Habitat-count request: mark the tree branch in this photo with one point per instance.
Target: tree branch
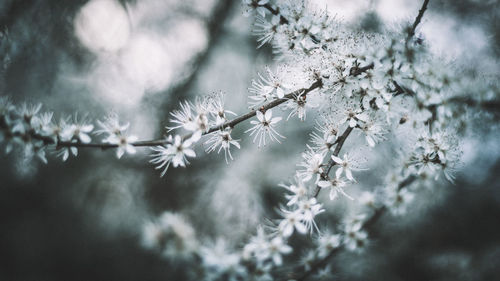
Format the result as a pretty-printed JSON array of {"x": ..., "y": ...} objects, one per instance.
[
  {"x": 230, "y": 124},
  {"x": 340, "y": 142},
  {"x": 417, "y": 21}
]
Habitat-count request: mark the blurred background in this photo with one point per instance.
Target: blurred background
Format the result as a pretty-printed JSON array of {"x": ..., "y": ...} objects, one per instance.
[{"x": 82, "y": 219}]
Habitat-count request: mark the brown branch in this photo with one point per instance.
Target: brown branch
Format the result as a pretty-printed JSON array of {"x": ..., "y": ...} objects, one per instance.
[
  {"x": 276, "y": 12},
  {"x": 491, "y": 105},
  {"x": 340, "y": 142},
  {"x": 230, "y": 124},
  {"x": 284, "y": 20},
  {"x": 417, "y": 21}
]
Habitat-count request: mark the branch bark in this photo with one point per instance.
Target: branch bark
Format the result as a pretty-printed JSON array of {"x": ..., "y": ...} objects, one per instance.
[
  {"x": 230, "y": 123},
  {"x": 417, "y": 21}
]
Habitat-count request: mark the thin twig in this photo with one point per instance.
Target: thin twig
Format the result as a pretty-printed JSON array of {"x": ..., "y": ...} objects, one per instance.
[
  {"x": 340, "y": 142},
  {"x": 417, "y": 21},
  {"x": 230, "y": 124}
]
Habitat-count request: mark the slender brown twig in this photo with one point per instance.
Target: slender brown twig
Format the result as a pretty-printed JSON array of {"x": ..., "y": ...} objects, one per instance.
[
  {"x": 231, "y": 123},
  {"x": 417, "y": 21},
  {"x": 340, "y": 142}
]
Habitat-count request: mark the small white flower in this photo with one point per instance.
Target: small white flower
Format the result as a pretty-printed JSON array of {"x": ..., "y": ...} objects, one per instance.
[
  {"x": 298, "y": 105},
  {"x": 111, "y": 126},
  {"x": 336, "y": 186},
  {"x": 170, "y": 235},
  {"x": 116, "y": 135},
  {"x": 368, "y": 199},
  {"x": 277, "y": 247},
  {"x": 327, "y": 243},
  {"x": 352, "y": 117},
  {"x": 182, "y": 118},
  {"x": 125, "y": 144},
  {"x": 55, "y": 130},
  {"x": 257, "y": 247},
  {"x": 265, "y": 127},
  {"x": 397, "y": 200},
  {"x": 310, "y": 208},
  {"x": 267, "y": 89},
  {"x": 326, "y": 136},
  {"x": 65, "y": 152},
  {"x": 222, "y": 139},
  {"x": 27, "y": 112},
  {"x": 265, "y": 30},
  {"x": 217, "y": 110},
  {"x": 309, "y": 259},
  {"x": 221, "y": 261},
  {"x": 299, "y": 192},
  {"x": 79, "y": 132},
  {"x": 374, "y": 132},
  {"x": 311, "y": 165},
  {"x": 291, "y": 220},
  {"x": 175, "y": 153},
  {"x": 257, "y": 5},
  {"x": 355, "y": 239},
  {"x": 42, "y": 122},
  {"x": 347, "y": 165},
  {"x": 322, "y": 143}
]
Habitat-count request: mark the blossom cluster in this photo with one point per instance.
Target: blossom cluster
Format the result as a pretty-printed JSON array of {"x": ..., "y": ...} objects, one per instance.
[
  {"x": 351, "y": 84},
  {"x": 206, "y": 116},
  {"x": 37, "y": 132}
]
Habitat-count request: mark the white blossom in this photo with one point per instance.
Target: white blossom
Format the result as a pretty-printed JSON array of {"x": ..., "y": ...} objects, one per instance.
[
  {"x": 353, "y": 117},
  {"x": 355, "y": 238},
  {"x": 336, "y": 186},
  {"x": 278, "y": 247},
  {"x": 79, "y": 131},
  {"x": 312, "y": 165},
  {"x": 174, "y": 152},
  {"x": 397, "y": 200},
  {"x": 298, "y": 190},
  {"x": 310, "y": 209},
  {"x": 291, "y": 220},
  {"x": 346, "y": 165},
  {"x": 222, "y": 140},
  {"x": 264, "y": 128},
  {"x": 327, "y": 243}
]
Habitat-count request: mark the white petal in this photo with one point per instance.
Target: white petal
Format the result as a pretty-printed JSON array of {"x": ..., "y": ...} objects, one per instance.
[
  {"x": 280, "y": 93},
  {"x": 189, "y": 153},
  {"x": 288, "y": 230},
  {"x": 130, "y": 149},
  {"x": 352, "y": 123},
  {"x": 324, "y": 184},
  {"x": 275, "y": 120},
  {"x": 339, "y": 172},
  {"x": 119, "y": 152},
  {"x": 348, "y": 173},
  {"x": 336, "y": 159},
  {"x": 333, "y": 194},
  {"x": 260, "y": 116},
  {"x": 301, "y": 228},
  {"x": 370, "y": 141},
  {"x": 87, "y": 128},
  {"x": 268, "y": 114},
  {"x": 277, "y": 259},
  {"x": 84, "y": 138},
  {"x": 195, "y": 137}
]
